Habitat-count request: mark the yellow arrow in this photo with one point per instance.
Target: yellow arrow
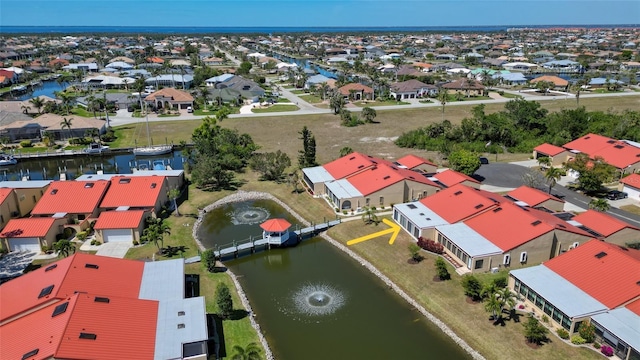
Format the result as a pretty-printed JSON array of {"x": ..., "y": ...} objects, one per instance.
[{"x": 394, "y": 231}]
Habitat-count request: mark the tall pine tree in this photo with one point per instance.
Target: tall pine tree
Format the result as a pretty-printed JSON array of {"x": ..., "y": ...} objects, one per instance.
[{"x": 307, "y": 157}]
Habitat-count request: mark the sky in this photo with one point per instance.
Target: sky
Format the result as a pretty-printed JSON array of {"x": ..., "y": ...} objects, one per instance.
[{"x": 310, "y": 13}]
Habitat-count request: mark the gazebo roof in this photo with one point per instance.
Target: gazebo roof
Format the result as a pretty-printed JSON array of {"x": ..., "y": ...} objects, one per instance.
[{"x": 275, "y": 225}]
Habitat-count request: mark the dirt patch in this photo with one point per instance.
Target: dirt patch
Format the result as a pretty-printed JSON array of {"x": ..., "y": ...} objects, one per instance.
[
  {"x": 469, "y": 300},
  {"x": 437, "y": 279},
  {"x": 533, "y": 345}
]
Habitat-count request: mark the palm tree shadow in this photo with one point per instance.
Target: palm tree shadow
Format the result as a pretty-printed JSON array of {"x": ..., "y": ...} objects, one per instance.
[{"x": 238, "y": 314}]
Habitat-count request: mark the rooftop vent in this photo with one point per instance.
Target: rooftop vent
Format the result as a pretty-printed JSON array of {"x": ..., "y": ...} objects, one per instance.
[
  {"x": 619, "y": 147},
  {"x": 54, "y": 191},
  {"x": 181, "y": 313},
  {"x": 91, "y": 266},
  {"x": 536, "y": 223},
  {"x": 153, "y": 185},
  {"x": 587, "y": 137},
  {"x": 45, "y": 291},
  {"x": 60, "y": 309},
  {"x": 411, "y": 206},
  {"x": 88, "y": 185},
  {"x": 352, "y": 158},
  {"x": 181, "y": 326},
  {"x": 386, "y": 177},
  {"x": 31, "y": 353},
  {"x": 360, "y": 166},
  {"x": 638, "y": 283},
  {"x": 457, "y": 193},
  {"x": 51, "y": 267},
  {"x": 101, "y": 299},
  {"x": 601, "y": 254},
  {"x": 88, "y": 336},
  {"x": 124, "y": 181},
  {"x": 497, "y": 209},
  {"x": 611, "y": 141},
  {"x": 479, "y": 206}
]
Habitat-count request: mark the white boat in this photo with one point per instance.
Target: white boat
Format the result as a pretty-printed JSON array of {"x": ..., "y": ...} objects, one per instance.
[
  {"x": 6, "y": 160},
  {"x": 150, "y": 149},
  {"x": 153, "y": 150},
  {"x": 96, "y": 148}
]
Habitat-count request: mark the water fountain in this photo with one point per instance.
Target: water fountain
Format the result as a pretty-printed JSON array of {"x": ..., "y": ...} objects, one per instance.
[
  {"x": 249, "y": 215},
  {"x": 318, "y": 300}
]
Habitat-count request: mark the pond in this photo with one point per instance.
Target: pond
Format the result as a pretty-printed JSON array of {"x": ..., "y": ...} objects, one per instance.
[{"x": 315, "y": 302}]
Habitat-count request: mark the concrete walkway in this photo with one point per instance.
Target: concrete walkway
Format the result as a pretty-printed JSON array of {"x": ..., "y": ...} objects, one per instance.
[{"x": 114, "y": 249}]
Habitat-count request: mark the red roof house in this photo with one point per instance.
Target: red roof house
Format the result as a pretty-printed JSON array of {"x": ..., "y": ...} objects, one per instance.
[
  {"x": 557, "y": 154},
  {"x": 356, "y": 91},
  {"x": 631, "y": 185},
  {"x": 451, "y": 177},
  {"x": 414, "y": 162},
  {"x": 147, "y": 193},
  {"x": 78, "y": 200},
  {"x": 461, "y": 202},
  {"x": 620, "y": 154},
  {"x": 536, "y": 198},
  {"x": 612, "y": 229},
  {"x": 120, "y": 225},
  {"x": 349, "y": 165},
  {"x": 31, "y": 234}
]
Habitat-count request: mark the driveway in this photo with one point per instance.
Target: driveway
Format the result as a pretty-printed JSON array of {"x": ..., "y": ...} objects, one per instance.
[
  {"x": 14, "y": 263},
  {"x": 505, "y": 175},
  {"x": 114, "y": 249}
]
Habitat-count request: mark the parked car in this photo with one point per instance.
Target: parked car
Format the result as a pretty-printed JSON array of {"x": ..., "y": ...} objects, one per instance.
[
  {"x": 189, "y": 109},
  {"x": 616, "y": 195},
  {"x": 484, "y": 160}
]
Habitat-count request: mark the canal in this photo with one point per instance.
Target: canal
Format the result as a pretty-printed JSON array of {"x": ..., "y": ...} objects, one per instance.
[
  {"x": 47, "y": 89},
  {"x": 315, "y": 302}
]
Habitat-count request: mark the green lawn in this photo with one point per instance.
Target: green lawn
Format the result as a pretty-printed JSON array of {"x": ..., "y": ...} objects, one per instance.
[
  {"x": 298, "y": 92},
  {"x": 80, "y": 111},
  {"x": 379, "y": 103},
  {"x": 283, "y": 100},
  {"x": 510, "y": 96},
  {"x": 631, "y": 208},
  {"x": 276, "y": 108},
  {"x": 311, "y": 99}
]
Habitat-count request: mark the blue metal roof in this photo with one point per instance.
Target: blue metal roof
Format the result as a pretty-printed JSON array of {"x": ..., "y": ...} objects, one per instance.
[
  {"x": 343, "y": 189},
  {"x": 220, "y": 78},
  {"x": 558, "y": 291},
  {"x": 468, "y": 240},
  {"x": 317, "y": 174},
  {"x": 623, "y": 323},
  {"x": 30, "y": 184}
]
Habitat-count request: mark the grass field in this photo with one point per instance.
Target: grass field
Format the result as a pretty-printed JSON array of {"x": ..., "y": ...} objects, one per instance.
[
  {"x": 631, "y": 208},
  {"x": 281, "y": 132},
  {"x": 276, "y": 108},
  {"x": 311, "y": 99}
]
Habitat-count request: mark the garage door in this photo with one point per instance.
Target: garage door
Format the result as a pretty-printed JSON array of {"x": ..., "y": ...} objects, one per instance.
[
  {"x": 117, "y": 235},
  {"x": 633, "y": 193},
  {"x": 24, "y": 244}
]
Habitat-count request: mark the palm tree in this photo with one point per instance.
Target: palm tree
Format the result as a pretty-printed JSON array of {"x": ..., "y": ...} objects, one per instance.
[
  {"x": 155, "y": 232},
  {"x": 544, "y": 161},
  {"x": 493, "y": 305},
  {"x": 93, "y": 133},
  {"x": 66, "y": 124},
  {"x": 552, "y": 175},
  {"x": 47, "y": 138},
  {"x": 25, "y": 109},
  {"x": 66, "y": 98},
  {"x": 369, "y": 215},
  {"x": 325, "y": 89},
  {"x": 91, "y": 105},
  {"x": 64, "y": 247},
  {"x": 368, "y": 114},
  {"x": 173, "y": 195},
  {"x": 204, "y": 92},
  {"x": 507, "y": 298},
  {"x": 38, "y": 103},
  {"x": 249, "y": 352},
  {"x": 601, "y": 205},
  {"x": 443, "y": 97}
]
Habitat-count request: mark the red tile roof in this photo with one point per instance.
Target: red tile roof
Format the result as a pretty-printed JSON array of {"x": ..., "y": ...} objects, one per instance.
[
  {"x": 557, "y": 81},
  {"x": 604, "y": 271},
  {"x": 4, "y": 194},
  {"x": 508, "y": 226},
  {"x": 411, "y": 161},
  {"x": 135, "y": 191},
  {"x": 614, "y": 152},
  {"x": 602, "y": 223},
  {"x": 383, "y": 175},
  {"x": 632, "y": 180},
  {"x": 634, "y": 307},
  {"x": 125, "y": 328},
  {"x": 346, "y": 90},
  {"x": 349, "y": 164},
  {"x": 44, "y": 332},
  {"x": 589, "y": 143},
  {"x": 27, "y": 227},
  {"x": 451, "y": 177},
  {"x": 548, "y": 149},
  {"x": 275, "y": 225},
  {"x": 75, "y": 197},
  {"x": 533, "y": 197},
  {"x": 460, "y": 202},
  {"x": 119, "y": 219}
]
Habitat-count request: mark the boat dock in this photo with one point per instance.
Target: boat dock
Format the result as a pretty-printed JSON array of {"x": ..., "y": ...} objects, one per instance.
[
  {"x": 252, "y": 245},
  {"x": 66, "y": 153}
]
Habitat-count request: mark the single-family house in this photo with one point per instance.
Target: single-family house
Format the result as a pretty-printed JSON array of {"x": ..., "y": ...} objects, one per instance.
[
  {"x": 356, "y": 92},
  {"x": 170, "y": 98},
  {"x": 631, "y": 185},
  {"x": 86, "y": 67},
  {"x": 120, "y": 225},
  {"x": 511, "y": 78},
  {"x": 527, "y": 196},
  {"x": 606, "y": 227},
  {"x": 576, "y": 287},
  {"x": 141, "y": 306},
  {"x": 417, "y": 163},
  {"x": 412, "y": 89},
  {"x": 8, "y": 206},
  {"x": 76, "y": 201},
  {"x": 519, "y": 66},
  {"x": 467, "y": 86},
  {"x": 218, "y": 79},
  {"x": 449, "y": 178},
  {"x": 172, "y": 80},
  {"x": 33, "y": 128},
  {"x": 558, "y": 82},
  {"x": 213, "y": 61},
  {"x": 146, "y": 193},
  {"x": 31, "y": 234},
  {"x": 562, "y": 65},
  {"x": 26, "y": 194},
  {"x": 557, "y": 154},
  {"x": 600, "y": 82},
  {"x": 624, "y": 156}
]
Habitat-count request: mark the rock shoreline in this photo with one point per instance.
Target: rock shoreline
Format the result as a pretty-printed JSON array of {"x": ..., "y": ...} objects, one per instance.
[{"x": 254, "y": 195}]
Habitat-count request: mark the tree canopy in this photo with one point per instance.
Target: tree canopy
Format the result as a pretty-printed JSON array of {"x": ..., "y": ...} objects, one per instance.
[{"x": 464, "y": 161}]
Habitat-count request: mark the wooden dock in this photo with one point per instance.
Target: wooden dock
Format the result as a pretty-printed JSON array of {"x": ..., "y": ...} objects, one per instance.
[{"x": 250, "y": 246}]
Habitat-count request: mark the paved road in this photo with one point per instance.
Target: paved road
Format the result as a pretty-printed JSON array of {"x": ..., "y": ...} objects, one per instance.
[{"x": 510, "y": 176}]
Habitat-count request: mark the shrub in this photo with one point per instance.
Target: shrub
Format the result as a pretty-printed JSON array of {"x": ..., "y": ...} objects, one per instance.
[
  {"x": 596, "y": 345},
  {"x": 545, "y": 319},
  {"x": 563, "y": 334},
  {"x": 135, "y": 242},
  {"x": 414, "y": 251},
  {"x": 208, "y": 258},
  {"x": 430, "y": 245},
  {"x": 587, "y": 331},
  {"x": 472, "y": 287},
  {"x": 500, "y": 282},
  {"x": 26, "y": 143},
  {"x": 223, "y": 300},
  {"x": 606, "y": 350},
  {"x": 67, "y": 232},
  {"x": 441, "y": 270},
  {"x": 578, "y": 340},
  {"x": 81, "y": 236}
]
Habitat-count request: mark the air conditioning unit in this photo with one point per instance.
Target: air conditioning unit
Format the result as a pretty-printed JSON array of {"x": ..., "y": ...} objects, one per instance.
[{"x": 494, "y": 270}]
